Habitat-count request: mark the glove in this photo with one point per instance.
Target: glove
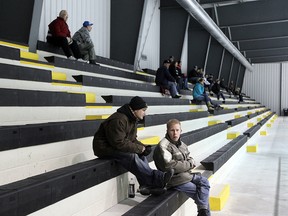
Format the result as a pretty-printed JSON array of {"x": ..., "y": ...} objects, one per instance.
[{"x": 147, "y": 151}]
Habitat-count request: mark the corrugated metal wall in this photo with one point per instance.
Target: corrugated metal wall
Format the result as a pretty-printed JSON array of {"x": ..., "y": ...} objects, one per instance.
[
  {"x": 96, "y": 11},
  {"x": 263, "y": 84},
  {"x": 284, "y": 84}
]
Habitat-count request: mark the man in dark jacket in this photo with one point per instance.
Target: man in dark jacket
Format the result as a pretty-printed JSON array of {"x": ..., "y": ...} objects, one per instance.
[
  {"x": 59, "y": 35},
  {"x": 172, "y": 153},
  {"x": 165, "y": 80},
  {"x": 116, "y": 139}
]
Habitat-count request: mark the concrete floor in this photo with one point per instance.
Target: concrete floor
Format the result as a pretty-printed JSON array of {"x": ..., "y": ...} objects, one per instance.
[{"x": 259, "y": 181}]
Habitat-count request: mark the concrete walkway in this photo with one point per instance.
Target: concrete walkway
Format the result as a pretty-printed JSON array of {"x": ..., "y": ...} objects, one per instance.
[{"x": 259, "y": 181}]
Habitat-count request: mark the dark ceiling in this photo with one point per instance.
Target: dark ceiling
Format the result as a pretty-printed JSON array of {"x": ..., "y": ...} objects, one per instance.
[{"x": 258, "y": 28}]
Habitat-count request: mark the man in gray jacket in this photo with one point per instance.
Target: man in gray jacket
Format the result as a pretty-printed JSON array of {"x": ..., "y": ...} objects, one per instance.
[
  {"x": 85, "y": 44},
  {"x": 172, "y": 153},
  {"x": 116, "y": 139}
]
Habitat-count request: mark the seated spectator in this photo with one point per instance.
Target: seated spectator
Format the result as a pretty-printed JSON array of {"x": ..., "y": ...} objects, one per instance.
[
  {"x": 216, "y": 89},
  {"x": 165, "y": 80},
  {"x": 85, "y": 43},
  {"x": 223, "y": 85},
  {"x": 59, "y": 35},
  {"x": 172, "y": 153},
  {"x": 231, "y": 88},
  {"x": 176, "y": 74},
  {"x": 239, "y": 94},
  {"x": 200, "y": 95},
  {"x": 116, "y": 139},
  {"x": 183, "y": 75},
  {"x": 194, "y": 75}
]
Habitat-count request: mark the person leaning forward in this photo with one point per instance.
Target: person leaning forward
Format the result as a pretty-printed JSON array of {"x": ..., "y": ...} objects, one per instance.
[{"x": 116, "y": 139}]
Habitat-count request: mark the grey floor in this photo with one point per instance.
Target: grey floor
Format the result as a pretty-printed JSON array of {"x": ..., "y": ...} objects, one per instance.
[{"x": 259, "y": 181}]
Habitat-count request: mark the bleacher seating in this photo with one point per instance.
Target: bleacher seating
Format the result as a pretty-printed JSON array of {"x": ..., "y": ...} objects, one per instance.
[{"x": 35, "y": 192}]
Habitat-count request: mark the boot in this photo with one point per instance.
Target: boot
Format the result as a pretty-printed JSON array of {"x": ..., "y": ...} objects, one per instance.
[
  {"x": 210, "y": 107},
  {"x": 203, "y": 212}
]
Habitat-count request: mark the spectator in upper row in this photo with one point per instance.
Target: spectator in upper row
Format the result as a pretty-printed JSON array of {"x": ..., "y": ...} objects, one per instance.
[
  {"x": 59, "y": 35},
  {"x": 216, "y": 89},
  {"x": 165, "y": 80},
  {"x": 200, "y": 95},
  {"x": 85, "y": 43},
  {"x": 184, "y": 84},
  {"x": 194, "y": 75}
]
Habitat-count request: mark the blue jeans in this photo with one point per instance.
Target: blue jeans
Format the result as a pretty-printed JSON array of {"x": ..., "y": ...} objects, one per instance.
[
  {"x": 198, "y": 190},
  {"x": 204, "y": 97},
  {"x": 138, "y": 165},
  {"x": 172, "y": 88}
]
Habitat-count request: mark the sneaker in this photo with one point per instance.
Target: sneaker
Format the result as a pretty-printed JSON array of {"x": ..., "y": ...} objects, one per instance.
[
  {"x": 82, "y": 60},
  {"x": 177, "y": 96},
  {"x": 167, "y": 176},
  {"x": 71, "y": 58},
  {"x": 203, "y": 212},
  {"x": 93, "y": 62},
  {"x": 148, "y": 190}
]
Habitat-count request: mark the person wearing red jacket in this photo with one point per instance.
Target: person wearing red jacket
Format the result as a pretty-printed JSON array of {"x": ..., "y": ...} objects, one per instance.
[{"x": 59, "y": 35}]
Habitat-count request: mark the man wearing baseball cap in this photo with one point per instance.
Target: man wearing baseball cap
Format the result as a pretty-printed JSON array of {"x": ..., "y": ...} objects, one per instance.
[
  {"x": 85, "y": 43},
  {"x": 116, "y": 139}
]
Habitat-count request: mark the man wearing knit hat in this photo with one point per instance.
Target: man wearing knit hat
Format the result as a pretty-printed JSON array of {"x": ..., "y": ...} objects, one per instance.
[{"x": 116, "y": 139}]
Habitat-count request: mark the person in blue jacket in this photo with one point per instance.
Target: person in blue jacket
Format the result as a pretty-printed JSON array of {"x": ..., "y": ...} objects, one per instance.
[{"x": 200, "y": 94}]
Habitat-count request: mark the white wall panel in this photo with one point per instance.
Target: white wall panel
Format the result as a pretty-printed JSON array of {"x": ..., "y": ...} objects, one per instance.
[
  {"x": 263, "y": 84},
  {"x": 151, "y": 47},
  {"x": 96, "y": 11}
]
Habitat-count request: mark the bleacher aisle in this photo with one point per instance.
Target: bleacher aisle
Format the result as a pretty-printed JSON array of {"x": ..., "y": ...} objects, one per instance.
[{"x": 258, "y": 181}]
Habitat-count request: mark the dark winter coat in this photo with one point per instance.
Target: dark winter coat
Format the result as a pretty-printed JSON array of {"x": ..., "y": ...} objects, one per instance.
[{"x": 118, "y": 133}]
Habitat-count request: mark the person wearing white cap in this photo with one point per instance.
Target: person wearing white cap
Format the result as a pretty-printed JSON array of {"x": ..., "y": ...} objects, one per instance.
[{"x": 85, "y": 43}]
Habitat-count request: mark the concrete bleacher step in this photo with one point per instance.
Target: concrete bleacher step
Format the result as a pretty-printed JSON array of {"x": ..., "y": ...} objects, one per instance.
[
  {"x": 81, "y": 66},
  {"x": 18, "y": 97},
  {"x": 41, "y": 45},
  {"x": 9, "y": 53}
]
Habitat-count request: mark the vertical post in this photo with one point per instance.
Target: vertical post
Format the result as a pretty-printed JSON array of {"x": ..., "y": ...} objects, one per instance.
[
  {"x": 207, "y": 53},
  {"x": 280, "y": 90},
  {"x": 35, "y": 24},
  {"x": 184, "y": 46},
  {"x": 238, "y": 75},
  {"x": 231, "y": 68},
  {"x": 221, "y": 63},
  {"x": 139, "y": 42}
]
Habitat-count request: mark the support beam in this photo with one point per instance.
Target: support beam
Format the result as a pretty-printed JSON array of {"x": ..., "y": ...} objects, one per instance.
[{"x": 195, "y": 10}]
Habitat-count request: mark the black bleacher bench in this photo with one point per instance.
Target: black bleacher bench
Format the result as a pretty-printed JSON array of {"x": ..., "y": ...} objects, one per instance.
[
  {"x": 149, "y": 71},
  {"x": 82, "y": 66},
  {"x": 99, "y": 59},
  {"x": 13, "y": 137},
  {"x": 24, "y": 73},
  {"x": 251, "y": 131},
  {"x": 222, "y": 111},
  {"x": 163, "y": 205},
  {"x": 18, "y": 97},
  {"x": 157, "y": 119},
  {"x": 263, "y": 121},
  {"x": 116, "y": 100},
  {"x": 9, "y": 53},
  {"x": 115, "y": 84},
  {"x": 29, "y": 195},
  {"x": 236, "y": 121},
  {"x": 202, "y": 133},
  {"x": 221, "y": 156}
]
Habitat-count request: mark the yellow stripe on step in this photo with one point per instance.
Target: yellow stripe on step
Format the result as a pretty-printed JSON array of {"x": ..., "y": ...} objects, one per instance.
[
  {"x": 59, "y": 76},
  {"x": 97, "y": 117},
  {"x": 14, "y": 45},
  {"x": 36, "y": 64},
  {"x": 154, "y": 140},
  {"x": 29, "y": 55}
]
